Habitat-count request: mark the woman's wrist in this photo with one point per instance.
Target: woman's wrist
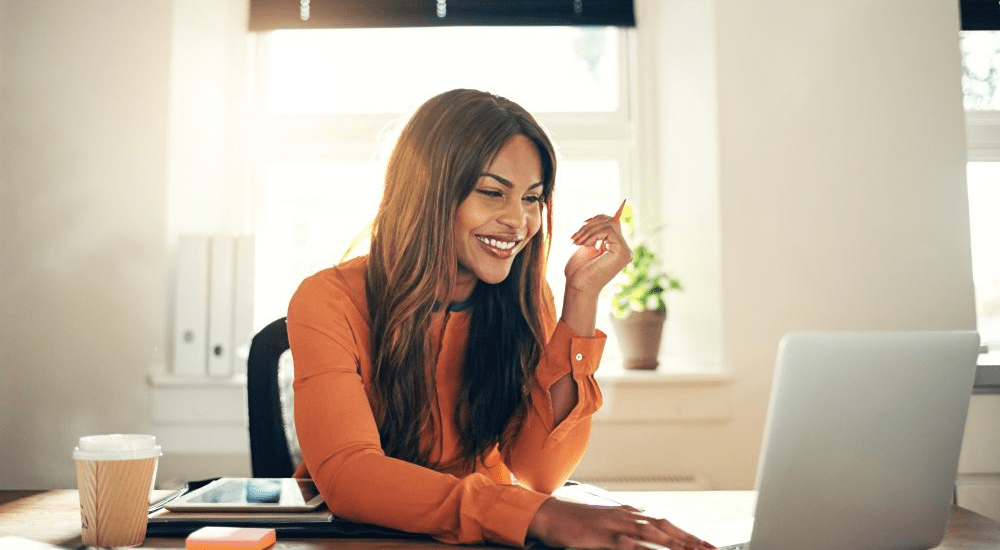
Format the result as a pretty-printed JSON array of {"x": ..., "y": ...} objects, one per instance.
[
  {"x": 580, "y": 311},
  {"x": 539, "y": 527}
]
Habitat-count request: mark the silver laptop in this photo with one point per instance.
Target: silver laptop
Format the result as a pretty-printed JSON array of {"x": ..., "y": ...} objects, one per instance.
[{"x": 862, "y": 439}]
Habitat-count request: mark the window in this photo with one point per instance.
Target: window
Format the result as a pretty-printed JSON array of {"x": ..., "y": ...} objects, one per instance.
[
  {"x": 984, "y": 204},
  {"x": 554, "y": 69},
  {"x": 981, "y": 70},
  {"x": 980, "y": 81},
  {"x": 327, "y": 104}
]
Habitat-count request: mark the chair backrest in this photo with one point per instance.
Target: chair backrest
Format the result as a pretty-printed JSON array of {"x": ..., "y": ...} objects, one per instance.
[{"x": 274, "y": 448}]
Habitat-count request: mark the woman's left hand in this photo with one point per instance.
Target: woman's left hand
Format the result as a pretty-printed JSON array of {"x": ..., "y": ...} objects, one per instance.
[{"x": 603, "y": 253}]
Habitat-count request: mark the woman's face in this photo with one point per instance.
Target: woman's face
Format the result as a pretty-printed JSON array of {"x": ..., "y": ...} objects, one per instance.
[{"x": 496, "y": 221}]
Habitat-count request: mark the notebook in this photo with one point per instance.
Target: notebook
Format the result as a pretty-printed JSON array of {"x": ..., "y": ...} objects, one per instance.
[{"x": 861, "y": 442}]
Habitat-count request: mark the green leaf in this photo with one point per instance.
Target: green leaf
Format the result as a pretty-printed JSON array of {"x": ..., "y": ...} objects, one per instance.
[{"x": 641, "y": 284}]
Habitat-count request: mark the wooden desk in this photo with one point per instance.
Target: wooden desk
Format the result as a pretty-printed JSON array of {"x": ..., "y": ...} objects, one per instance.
[{"x": 54, "y": 517}]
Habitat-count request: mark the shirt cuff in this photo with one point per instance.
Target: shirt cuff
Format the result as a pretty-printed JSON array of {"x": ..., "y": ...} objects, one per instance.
[
  {"x": 567, "y": 352},
  {"x": 512, "y": 514}
]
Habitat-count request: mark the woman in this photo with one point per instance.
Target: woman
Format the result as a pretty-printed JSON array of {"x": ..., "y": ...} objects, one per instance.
[{"x": 433, "y": 373}]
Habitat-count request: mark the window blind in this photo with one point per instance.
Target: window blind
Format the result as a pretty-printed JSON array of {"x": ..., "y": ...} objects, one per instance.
[
  {"x": 980, "y": 15},
  {"x": 310, "y": 14}
]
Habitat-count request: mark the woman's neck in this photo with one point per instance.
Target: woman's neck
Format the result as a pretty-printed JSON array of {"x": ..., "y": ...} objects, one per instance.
[{"x": 464, "y": 286}]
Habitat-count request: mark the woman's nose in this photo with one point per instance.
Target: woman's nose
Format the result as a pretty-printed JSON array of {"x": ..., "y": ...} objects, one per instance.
[{"x": 514, "y": 215}]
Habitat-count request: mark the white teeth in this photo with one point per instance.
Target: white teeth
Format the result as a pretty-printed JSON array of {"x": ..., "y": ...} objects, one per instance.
[{"x": 502, "y": 245}]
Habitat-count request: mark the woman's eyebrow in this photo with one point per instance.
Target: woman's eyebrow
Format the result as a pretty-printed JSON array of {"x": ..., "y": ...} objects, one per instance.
[{"x": 507, "y": 182}]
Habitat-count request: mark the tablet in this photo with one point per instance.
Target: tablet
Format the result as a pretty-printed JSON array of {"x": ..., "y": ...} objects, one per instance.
[{"x": 241, "y": 494}]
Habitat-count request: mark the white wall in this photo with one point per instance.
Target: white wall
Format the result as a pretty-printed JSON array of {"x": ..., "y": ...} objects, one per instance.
[
  {"x": 826, "y": 140},
  {"x": 842, "y": 178},
  {"x": 815, "y": 150},
  {"x": 84, "y": 144}
]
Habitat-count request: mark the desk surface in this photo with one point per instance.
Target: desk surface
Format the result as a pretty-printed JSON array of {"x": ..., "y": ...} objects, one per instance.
[{"x": 54, "y": 517}]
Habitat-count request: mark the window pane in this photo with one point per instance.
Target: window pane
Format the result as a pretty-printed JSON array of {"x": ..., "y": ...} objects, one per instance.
[
  {"x": 583, "y": 189},
  {"x": 545, "y": 69},
  {"x": 984, "y": 203},
  {"x": 308, "y": 215},
  {"x": 981, "y": 69}
]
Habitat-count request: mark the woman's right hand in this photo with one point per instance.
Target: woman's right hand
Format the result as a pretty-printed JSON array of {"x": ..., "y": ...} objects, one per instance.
[{"x": 564, "y": 524}]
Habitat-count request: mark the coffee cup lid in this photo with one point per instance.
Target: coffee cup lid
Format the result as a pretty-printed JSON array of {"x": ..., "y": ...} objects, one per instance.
[{"x": 116, "y": 447}]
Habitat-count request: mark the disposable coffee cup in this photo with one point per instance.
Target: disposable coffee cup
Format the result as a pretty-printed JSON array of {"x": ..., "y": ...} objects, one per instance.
[{"x": 115, "y": 475}]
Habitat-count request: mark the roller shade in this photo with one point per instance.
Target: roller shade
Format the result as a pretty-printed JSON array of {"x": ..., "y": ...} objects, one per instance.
[
  {"x": 980, "y": 15},
  {"x": 312, "y": 14}
]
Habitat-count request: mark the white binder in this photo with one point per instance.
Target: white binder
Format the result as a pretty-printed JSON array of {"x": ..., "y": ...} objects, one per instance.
[
  {"x": 243, "y": 301},
  {"x": 220, "y": 309},
  {"x": 191, "y": 306}
]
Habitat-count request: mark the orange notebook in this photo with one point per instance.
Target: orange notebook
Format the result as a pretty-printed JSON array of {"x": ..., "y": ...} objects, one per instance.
[{"x": 220, "y": 538}]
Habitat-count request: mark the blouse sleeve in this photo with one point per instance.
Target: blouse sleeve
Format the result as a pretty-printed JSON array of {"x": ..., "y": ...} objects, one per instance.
[
  {"x": 341, "y": 449},
  {"x": 545, "y": 454}
]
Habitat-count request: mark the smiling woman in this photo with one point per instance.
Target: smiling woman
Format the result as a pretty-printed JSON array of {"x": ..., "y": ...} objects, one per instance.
[
  {"x": 324, "y": 120},
  {"x": 436, "y": 391}
]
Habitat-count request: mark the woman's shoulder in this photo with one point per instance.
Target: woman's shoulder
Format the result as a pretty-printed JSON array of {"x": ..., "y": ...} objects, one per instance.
[
  {"x": 349, "y": 275},
  {"x": 343, "y": 283}
]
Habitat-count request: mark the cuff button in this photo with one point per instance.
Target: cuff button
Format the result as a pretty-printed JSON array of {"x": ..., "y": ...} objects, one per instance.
[{"x": 579, "y": 357}]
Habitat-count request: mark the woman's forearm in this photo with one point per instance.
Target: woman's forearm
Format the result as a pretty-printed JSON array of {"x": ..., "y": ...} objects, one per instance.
[
  {"x": 564, "y": 398},
  {"x": 580, "y": 314},
  {"x": 579, "y": 311}
]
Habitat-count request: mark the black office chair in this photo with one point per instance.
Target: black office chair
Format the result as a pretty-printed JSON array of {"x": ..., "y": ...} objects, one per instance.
[{"x": 274, "y": 446}]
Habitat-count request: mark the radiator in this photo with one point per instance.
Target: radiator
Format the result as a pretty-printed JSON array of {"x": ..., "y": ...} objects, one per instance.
[{"x": 679, "y": 482}]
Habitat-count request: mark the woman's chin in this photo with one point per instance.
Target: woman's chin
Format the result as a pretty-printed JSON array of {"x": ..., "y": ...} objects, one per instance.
[{"x": 493, "y": 276}]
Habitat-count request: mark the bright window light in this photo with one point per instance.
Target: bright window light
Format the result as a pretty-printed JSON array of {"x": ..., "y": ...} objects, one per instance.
[
  {"x": 318, "y": 189},
  {"x": 981, "y": 69},
  {"x": 984, "y": 203},
  {"x": 545, "y": 69}
]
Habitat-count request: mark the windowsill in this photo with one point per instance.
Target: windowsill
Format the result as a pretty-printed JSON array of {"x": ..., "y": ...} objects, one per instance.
[
  {"x": 662, "y": 377},
  {"x": 174, "y": 381},
  {"x": 989, "y": 359},
  {"x": 679, "y": 390},
  {"x": 672, "y": 371},
  {"x": 199, "y": 414}
]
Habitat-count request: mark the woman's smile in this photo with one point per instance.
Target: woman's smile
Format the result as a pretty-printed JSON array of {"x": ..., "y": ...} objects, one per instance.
[
  {"x": 501, "y": 247},
  {"x": 500, "y": 216}
]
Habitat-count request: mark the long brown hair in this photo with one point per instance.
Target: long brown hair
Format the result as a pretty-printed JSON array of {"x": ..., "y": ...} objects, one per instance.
[{"x": 413, "y": 266}]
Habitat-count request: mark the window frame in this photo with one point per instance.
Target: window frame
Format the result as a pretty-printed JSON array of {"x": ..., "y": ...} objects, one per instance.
[
  {"x": 279, "y": 137},
  {"x": 983, "y": 145}
]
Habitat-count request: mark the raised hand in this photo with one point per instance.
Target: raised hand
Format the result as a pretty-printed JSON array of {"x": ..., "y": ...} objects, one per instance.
[
  {"x": 603, "y": 253},
  {"x": 570, "y": 525}
]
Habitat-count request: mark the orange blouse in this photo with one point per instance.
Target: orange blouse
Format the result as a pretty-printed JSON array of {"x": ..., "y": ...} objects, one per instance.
[{"x": 329, "y": 335}]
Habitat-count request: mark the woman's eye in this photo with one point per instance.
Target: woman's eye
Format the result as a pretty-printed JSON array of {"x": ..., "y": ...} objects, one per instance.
[
  {"x": 493, "y": 193},
  {"x": 533, "y": 199}
]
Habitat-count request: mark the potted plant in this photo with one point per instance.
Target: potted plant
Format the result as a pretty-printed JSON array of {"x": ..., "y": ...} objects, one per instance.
[{"x": 638, "y": 308}]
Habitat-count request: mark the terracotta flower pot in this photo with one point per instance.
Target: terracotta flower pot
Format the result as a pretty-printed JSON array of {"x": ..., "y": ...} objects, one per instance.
[{"x": 639, "y": 338}]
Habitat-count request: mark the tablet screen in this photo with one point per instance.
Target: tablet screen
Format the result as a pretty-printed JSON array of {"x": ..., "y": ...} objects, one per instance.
[{"x": 247, "y": 494}]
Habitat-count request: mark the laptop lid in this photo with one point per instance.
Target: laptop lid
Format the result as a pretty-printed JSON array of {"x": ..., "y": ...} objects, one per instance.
[{"x": 862, "y": 439}]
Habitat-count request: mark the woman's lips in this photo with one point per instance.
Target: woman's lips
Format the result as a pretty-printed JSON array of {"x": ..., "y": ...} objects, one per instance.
[{"x": 501, "y": 247}]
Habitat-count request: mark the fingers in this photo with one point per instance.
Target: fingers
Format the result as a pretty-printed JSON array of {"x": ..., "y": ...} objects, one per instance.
[
  {"x": 662, "y": 532},
  {"x": 599, "y": 228},
  {"x": 571, "y": 525}
]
